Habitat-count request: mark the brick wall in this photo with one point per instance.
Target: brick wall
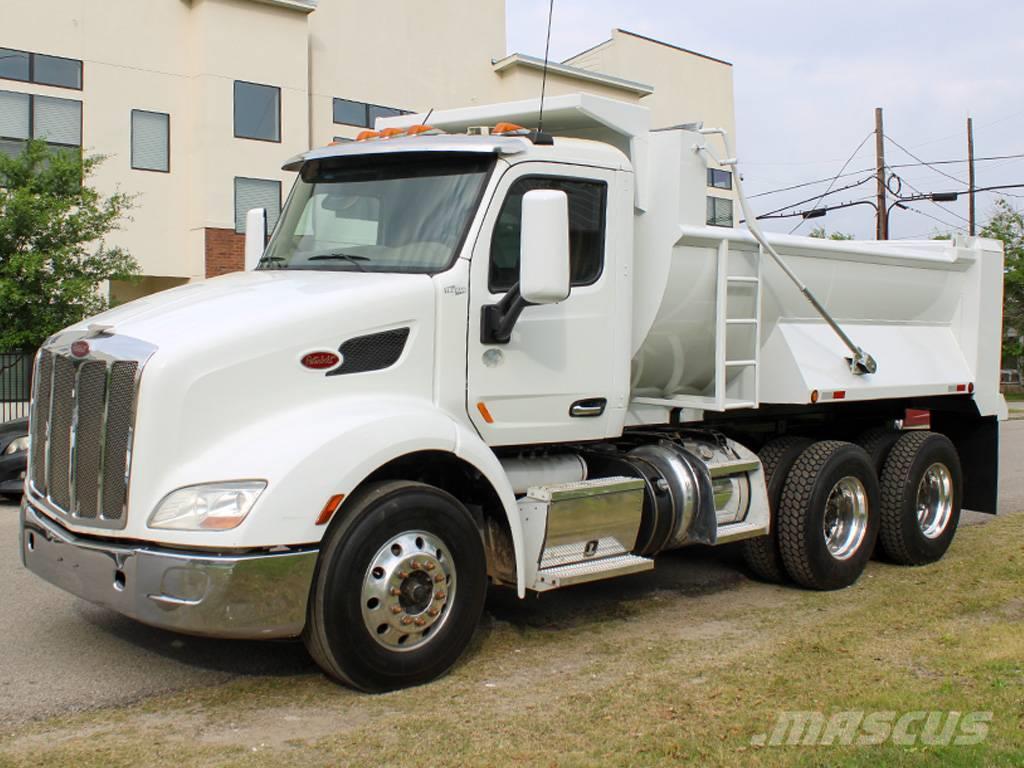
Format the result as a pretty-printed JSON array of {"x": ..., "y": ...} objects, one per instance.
[{"x": 225, "y": 251}]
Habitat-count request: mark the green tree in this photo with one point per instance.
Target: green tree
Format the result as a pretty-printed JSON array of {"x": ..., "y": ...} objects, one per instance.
[
  {"x": 1007, "y": 224},
  {"x": 53, "y": 261},
  {"x": 821, "y": 234}
]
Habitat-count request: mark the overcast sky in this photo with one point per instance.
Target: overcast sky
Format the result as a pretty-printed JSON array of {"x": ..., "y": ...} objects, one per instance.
[{"x": 809, "y": 73}]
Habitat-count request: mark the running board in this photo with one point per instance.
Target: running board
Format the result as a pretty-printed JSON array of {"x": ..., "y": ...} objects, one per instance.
[{"x": 579, "y": 573}]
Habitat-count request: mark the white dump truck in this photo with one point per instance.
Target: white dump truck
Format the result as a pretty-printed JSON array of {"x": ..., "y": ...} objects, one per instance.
[{"x": 473, "y": 355}]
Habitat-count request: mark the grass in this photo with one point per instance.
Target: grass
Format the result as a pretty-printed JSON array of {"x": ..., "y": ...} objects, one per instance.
[
  {"x": 1014, "y": 397},
  {"x": 660, "y": 670}
]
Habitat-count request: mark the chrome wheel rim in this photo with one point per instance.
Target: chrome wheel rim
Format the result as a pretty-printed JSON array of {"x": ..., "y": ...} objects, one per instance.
[
  {"x": 935, "y": 500},
  {"x": 846, "y": 518},
  {"x": 407, "y": 589}
]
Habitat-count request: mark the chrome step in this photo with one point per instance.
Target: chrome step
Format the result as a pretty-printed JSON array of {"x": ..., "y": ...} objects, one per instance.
[{"x": 579, "y": 573}]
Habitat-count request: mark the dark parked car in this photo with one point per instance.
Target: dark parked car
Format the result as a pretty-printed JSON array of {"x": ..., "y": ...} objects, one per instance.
[{"x": 13, "y": 458}]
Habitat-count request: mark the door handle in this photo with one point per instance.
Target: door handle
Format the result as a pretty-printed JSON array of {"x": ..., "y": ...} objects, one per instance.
[{"x": 592, "y": 406}]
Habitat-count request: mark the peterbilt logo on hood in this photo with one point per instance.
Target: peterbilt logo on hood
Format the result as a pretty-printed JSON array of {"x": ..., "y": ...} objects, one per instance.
[{"x": 320, "y": 361}]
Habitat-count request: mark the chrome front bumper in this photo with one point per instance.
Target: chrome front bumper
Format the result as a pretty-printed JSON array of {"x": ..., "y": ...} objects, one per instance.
[{"x": 260, "y": 595}]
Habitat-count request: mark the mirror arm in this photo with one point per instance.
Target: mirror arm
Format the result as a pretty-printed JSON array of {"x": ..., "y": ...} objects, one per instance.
[{"x": 498, "y": 320}]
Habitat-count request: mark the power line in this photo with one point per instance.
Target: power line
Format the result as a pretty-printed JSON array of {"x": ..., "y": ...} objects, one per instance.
[
  {"x": 896, "y": 165},
  {"x": 923, "y": 162},
  {"x": 818, "y": 198},
  {"x": 836, "y": 178}
]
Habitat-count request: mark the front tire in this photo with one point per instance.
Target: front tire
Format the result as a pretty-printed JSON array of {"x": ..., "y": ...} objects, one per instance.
[
  {"x": 828, "y": 515},
  {"x": 921, "y": 497},
  {"x": 399, "y": 588}
]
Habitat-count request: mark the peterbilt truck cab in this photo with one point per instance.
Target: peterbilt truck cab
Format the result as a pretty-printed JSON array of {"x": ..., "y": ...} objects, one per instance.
[{"x": 477, "y": 355}]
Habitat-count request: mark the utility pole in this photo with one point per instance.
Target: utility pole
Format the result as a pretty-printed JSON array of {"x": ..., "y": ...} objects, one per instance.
[
  {"x": 881, "y": 223},
  {"x": 970, "y": 173}
]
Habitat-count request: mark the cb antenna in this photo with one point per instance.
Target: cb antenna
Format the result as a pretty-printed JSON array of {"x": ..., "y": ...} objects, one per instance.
[{"x": 544, "y": 76}]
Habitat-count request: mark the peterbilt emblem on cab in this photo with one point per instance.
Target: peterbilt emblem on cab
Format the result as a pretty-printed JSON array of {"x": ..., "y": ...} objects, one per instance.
[
  {"x": 320, "y": 361},
  {"x": 80, "y": 348}
]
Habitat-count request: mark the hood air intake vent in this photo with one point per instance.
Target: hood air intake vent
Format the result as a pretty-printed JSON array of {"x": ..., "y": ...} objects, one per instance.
[{"x": 372, "y": 352}]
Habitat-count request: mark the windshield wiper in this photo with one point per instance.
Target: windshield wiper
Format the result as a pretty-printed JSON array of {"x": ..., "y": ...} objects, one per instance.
[{"x": 350, "y": 258}]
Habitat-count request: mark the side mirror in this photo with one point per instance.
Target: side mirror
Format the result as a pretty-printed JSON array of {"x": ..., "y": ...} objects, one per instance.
[
  {"x": 543, "y": 264},
  {"x": 255, "y": 237},
  {"x": 544, "y": 247}
]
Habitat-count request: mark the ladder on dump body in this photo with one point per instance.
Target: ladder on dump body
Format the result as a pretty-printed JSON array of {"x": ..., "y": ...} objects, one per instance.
[{"x": 745, "y": 386}]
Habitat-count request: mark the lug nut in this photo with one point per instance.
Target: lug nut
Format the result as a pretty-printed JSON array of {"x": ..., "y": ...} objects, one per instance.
[
  {"x": 394, "y": 591},
  {"x": 414, "y": 564},
  {"x": 420, "y": 621},
  {"x": 396, "y": 609},
  {"x": 439, "y": 578},
  {"x": 429, "y": 566},
  {"x": 403, "y": 575},
  {"x": 439, "y": 595},
  {"x": 407, "y": 619},
  {"x": 433, "y": 612}
]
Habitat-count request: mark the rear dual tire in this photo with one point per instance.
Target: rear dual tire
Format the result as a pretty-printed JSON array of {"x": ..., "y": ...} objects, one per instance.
[
  {"x": 828, "y": 515},
  {"x": 921, "y": 493}
]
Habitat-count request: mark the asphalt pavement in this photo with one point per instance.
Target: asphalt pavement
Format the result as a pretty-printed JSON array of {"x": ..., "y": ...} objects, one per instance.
[{"x": 59, "y": 654}]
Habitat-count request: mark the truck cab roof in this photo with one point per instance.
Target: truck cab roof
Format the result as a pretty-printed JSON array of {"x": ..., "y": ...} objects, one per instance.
[{"x": 513, "y": 148}]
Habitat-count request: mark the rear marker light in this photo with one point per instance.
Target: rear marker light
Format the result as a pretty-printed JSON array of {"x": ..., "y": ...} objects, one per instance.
[
  {"x": 814, "y": 396},
  {"x": 961, "y": 387},
  {"x": 970, "y": 387},
  {"x": 364, "y": 135},
  {"x": 387, "y": 133},
  {"x": 839, "y": 394},
  {"x": 330, "y": 508}
]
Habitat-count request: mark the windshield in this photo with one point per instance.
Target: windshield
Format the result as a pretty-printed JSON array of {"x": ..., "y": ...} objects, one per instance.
[{"x": 401, "y": 212}]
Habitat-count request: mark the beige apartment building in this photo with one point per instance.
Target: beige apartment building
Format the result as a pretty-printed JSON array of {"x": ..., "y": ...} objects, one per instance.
[{"x": 198, "y": 103}]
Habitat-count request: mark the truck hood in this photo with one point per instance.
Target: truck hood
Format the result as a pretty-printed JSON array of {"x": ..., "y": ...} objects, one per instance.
[{"x": 288, "y": 305}]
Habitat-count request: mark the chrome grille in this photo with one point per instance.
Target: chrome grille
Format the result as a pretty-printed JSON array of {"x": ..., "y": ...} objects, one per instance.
[
  {"x": 119, "y": 429},
  {"x": 41, "y": 399},
  {"x": 91, "y": 396},
  {"x": 62, "y": 410},
  {"x": 82, "y": 418}
]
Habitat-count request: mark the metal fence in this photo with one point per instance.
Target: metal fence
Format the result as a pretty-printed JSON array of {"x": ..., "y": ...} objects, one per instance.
[{"x": 15, "y": 384}]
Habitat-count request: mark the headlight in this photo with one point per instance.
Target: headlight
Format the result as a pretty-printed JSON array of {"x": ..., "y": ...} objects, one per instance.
[
  {"x": 212, "y": 506},
  {"x": 17, "y": 445}
]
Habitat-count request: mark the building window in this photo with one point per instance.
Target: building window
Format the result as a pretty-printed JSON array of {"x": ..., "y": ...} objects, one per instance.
[
  {"x": 40, "y": 68},
  {"x": 586, "y": 230},
  {"x": 257, "y": 193},
  {"x": 361, "y": 114},
  {"x": 350, "y": 112},
  {"x": 257, "y": 111},
  {"x": 14, "y": 65},
  {"x": 15, "y": 121},
  {"x": 376, "y": 111},
  {"x": 151, "y": 141},
  {"x": 719, "y": 212},
  {"x": 719, "y": 179},
  {"x": 22, "y": 116}
]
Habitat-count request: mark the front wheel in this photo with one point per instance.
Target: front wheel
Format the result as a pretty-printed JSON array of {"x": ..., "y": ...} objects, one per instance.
[{"x": 399, "y": 588}]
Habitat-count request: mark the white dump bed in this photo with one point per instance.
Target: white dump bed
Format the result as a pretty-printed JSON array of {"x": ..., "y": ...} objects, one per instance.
[{"x": 717, "y": 325}]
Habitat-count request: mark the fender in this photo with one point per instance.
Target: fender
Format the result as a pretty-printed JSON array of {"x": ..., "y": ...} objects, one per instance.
[{"x": 342, "y": 443}]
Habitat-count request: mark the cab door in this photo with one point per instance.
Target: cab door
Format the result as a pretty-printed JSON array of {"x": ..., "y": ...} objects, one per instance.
[{"x": 563, "y": 376}]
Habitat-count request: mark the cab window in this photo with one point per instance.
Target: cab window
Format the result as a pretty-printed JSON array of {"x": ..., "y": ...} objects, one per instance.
[{"x": 586, "y": 230}]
